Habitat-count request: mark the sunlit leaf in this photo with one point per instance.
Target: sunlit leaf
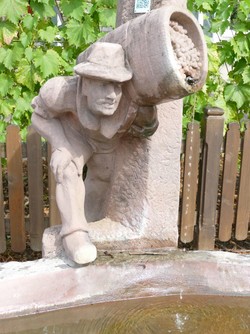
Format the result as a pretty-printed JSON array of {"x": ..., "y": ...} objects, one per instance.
[
  {"x": 7, "y": 32},
  {"x": 13, "y": 9},
  {"x": 73, "y": 9},
  {"x": 48, "y": 62},
  {"x": 5, "y": 83},
  {"x": 25, "y": 74},
  {"x": 49, "y": 34},
  {"x": 107, "y": 17},
  {"x": 246, "y": 75},
  {"x": 80, "y": 34},
  {"x": 240, "y": 44},
  {"x": 5, "y": 108},
  {"x": 238, "y": 94}
]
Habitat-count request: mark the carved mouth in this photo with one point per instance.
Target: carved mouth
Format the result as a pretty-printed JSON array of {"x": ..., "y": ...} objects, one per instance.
[{"x": 107, "y": 104}]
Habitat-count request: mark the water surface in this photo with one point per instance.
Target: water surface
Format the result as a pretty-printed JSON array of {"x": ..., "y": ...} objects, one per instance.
[{"x": 159, "y": 315}]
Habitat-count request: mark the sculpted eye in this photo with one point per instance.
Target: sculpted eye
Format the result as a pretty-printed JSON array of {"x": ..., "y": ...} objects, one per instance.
[{"x": 118, "y": 87}]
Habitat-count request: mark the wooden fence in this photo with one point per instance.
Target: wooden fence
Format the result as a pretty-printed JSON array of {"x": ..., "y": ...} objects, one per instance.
[
  {"x": 215, "y": 200},
  {"x": 35, "y": 152},
  {"x": 215, "y": 196}
]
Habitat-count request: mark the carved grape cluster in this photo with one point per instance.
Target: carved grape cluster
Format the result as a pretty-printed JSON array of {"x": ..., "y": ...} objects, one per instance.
[{"x": 186, "y": 54}]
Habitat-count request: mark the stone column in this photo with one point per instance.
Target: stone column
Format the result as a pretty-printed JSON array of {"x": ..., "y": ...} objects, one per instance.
[{"x": 143, "y": 207}]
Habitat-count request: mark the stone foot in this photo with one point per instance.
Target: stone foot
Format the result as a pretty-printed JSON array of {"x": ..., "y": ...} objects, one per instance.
[{"x": 79, "y": 248}]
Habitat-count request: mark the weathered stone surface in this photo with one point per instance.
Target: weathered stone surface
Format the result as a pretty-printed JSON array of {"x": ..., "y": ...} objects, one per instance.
[
  {"x": 143, "y": 207},
  {"x": 49, "y": 284}
]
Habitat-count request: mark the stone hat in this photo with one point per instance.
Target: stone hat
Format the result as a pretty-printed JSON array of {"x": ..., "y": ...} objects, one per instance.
[{"x": 106, "y": 61}]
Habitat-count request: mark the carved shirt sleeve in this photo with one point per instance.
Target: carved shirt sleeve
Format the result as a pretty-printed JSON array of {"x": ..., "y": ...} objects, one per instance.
[{"x": 57, "y": 96}]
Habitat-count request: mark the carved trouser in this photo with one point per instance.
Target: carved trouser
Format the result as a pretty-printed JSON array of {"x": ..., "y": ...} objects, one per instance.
[{"x": 80, "y": 202}]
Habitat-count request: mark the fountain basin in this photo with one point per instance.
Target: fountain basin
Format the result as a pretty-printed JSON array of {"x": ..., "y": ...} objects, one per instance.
[{"x": 51, "y": 284}]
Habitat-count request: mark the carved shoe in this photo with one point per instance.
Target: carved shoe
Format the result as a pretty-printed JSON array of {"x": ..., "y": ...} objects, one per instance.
[{"x": 79, "y": 248}]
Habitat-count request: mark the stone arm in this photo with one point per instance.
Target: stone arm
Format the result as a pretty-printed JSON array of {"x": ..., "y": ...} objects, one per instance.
[
  {"x": 49, "y": 105},
  {"x": 145, "y": 123},
  {"x": 52, "y": 130}
]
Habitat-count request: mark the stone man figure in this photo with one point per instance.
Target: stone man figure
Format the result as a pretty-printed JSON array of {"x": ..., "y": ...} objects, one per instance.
[{"x": 83, "y": 117}]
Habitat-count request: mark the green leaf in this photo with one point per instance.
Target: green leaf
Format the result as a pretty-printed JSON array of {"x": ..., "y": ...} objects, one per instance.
[
  {"x": 18, "y": 51},
  {"x": 29, "y": 54},
  {"x": 47, "y": 62},
  {"x": 13, "y": 9},
  {"x": 244, "y": 7},
  {"x": 241, "y": 26},
  {"x": 9, "y": 59},
  {"x": 5, "y": 83},
  {"x": 240, "y": 44},
  {"x": 5, "y": 108},
  {"x": 26, "y": 39},
  {"x": 201, "y": 3},
  {"x": 44, "y": 9},
  {"x": 107, "y": 17},
  {"x": 246, "y": 75},
  {"x": 80, "y": 34},
  {"x": 109, "y": 3},
  {"x": 73, "y": 9},
  {"x": 29, "y": 22},
  {"x": 206, "y": 6},
  {"x": 238, "y": 94},
  {"x": 15, "y": 92},
  {"x": 22, "y": 104},
  {"x": 25, "y": 74},
  {"x": 49, "y": 34},
  {"x": 2, "y": 54},
  {"x": 226, "y": 52},
  {"x": 7, "y": 32}
]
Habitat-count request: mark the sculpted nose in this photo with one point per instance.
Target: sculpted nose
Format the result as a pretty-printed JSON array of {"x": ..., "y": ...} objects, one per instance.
[{"x": 110, "y": 91}]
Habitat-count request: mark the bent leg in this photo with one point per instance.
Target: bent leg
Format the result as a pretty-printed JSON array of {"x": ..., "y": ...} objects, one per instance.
[
  {"x": 98, "y": 185},
  {"x": 70, "y": 195}
]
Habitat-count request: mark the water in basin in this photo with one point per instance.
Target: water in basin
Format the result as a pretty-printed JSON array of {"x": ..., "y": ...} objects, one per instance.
[{"x": 172, "y": 314}]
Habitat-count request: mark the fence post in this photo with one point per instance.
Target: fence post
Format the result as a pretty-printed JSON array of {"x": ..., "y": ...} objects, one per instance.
[
  {"x": 226, "y": 217},
  {"x": 214, "y": 123},
  {"x": 35, "y": 177},
  {"x": 243, "y": 208},
  {"x": 2, "y": 227},
  {"x": 16, "y": 191},
  {"x": 190, "y": 182}
]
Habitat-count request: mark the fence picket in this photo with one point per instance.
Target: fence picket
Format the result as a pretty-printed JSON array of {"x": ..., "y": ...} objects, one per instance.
[
  {"x": 2, "y": 227},
  {"x": 16, "y": 191},
  {"x": 243, "y": 208},
  {"x": 210, "y": 177},
  {"x": 190, "y": 183},
  {"x": 229, "y": 180},
  {"x": 54, "y": 215},
  {"x": 35, "y": 183}
]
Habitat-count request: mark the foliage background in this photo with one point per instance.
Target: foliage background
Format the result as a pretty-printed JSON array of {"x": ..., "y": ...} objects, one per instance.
[
  {"x": 35, "y": 47},
  {"x": 230, "y": 92}
]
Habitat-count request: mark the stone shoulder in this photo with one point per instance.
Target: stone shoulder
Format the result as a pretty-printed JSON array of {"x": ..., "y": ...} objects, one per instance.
[{"x": 59, "y": 94}]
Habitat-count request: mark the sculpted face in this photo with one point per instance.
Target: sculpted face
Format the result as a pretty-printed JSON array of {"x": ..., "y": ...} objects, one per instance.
[{"x": 103, "y": 97}]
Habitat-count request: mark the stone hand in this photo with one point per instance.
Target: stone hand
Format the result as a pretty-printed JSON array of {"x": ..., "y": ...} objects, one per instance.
[{"x": 60, "y": 159}]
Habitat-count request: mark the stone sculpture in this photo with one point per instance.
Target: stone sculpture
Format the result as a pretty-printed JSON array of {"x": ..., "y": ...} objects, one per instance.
[{"x": 112, "y": 95}]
